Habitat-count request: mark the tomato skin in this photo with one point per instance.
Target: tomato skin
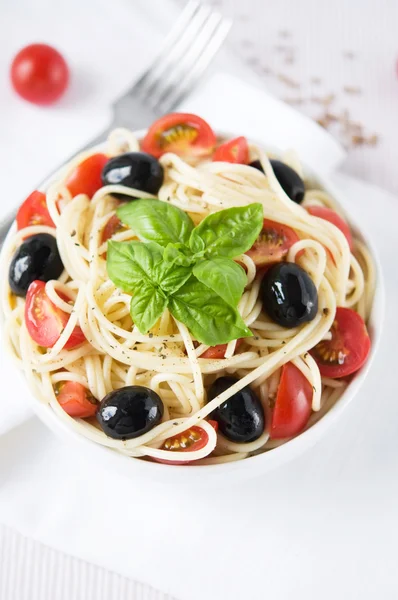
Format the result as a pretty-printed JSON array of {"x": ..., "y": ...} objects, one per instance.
[
  {"x": 272, "y": 244},
  {"x": 112, "y": 226},
  {"x": 39, "y": 74},
  {"x": 76, "y": 400},
  {"x": 181, "y": 133},
  {"x": 219, "y": 351},
  {"x": 348, "y": 349},
  {"x": 234, "y": 151},
  {"x": 86, "y": 177},
  {"x": 34, "y": 211},
  {"x": 330, "y": 215},
  {"x": 293, "y": 403},
  {"x": 198, "y": 444},
  {"x": 45, "y": 321}
]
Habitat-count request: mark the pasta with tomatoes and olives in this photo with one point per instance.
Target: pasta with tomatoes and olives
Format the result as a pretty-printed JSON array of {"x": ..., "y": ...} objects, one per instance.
[{"x": 185, "y": 299}]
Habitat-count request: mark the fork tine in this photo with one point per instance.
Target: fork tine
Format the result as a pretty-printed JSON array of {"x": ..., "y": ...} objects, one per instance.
[
  {"x": 196, "y": 63},
  {"x": 189, "y": 48},
  {"x": 186, "y": 16},
  {"x": 202, "y": 63},
  {"x": 161, "y": 71},
  {"x": 177, "y": 66}
]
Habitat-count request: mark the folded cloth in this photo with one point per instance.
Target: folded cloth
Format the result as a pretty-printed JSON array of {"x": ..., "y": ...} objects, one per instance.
[{"x": 279, "y": 535}]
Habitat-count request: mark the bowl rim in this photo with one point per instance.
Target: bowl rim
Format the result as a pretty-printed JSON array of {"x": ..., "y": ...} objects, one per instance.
[{"x": 254, "y": 465}]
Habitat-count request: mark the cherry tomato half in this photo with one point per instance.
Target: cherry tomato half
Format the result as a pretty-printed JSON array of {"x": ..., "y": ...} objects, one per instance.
[
  {"x": 112, "y": 226},
  {"x": 219, "y": 351},
  {"x": 348, "y": 349},
  {"x": 45, "y": 321},
  {"x": 86, "y": 177},
  {"x": 330, "y": 215},
  {"x": 234, "y": 151},
  {"x": 293, "y": 403},
  {"x": 34, "y": 211},
  {"x": 272, "y": 244},
  {"x": 194, "y": 438},
  {"x": 76, "y": 400},
  {"x": 39, "y": 74},
  {"x": 181, "y": 133}
]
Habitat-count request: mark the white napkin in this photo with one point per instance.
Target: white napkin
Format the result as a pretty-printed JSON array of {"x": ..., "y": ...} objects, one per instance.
[{"x": 279, "y": 536}]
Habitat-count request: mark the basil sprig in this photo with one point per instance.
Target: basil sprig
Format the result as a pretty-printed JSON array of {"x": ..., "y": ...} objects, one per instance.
[{"x": 184, "y": 268}]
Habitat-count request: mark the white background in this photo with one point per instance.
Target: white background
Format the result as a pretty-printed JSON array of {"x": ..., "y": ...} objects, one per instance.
[{"x": 334, "y": 526}]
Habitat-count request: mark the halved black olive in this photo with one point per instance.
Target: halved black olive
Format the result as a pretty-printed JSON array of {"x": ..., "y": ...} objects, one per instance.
[{"x": 36, "y": 258}]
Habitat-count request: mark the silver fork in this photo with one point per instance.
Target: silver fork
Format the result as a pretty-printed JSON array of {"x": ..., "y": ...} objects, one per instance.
[{"x": 184, "y": 56}]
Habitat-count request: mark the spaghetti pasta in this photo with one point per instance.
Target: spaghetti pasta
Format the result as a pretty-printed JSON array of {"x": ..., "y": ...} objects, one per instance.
[{"x": 168, "y": 358}]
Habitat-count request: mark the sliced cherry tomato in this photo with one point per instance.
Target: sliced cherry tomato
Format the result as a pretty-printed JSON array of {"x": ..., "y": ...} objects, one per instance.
[
  {"x": 219, "y": 351},
  {"x": 39, "y": 74},
  {"x": 112, "y": 226},
  {"x": 76, "y": 400},
  {"x": 234, "y": 151},
  {"x": 272, "y": 244},
  {"x": 181, "y": 133},
  {"x": 348, "y": 349},
  {"x": 34, "y": 211},
  {"x": 86, "y": 177},
  {"x": 330, "y": 215},
  {"x": 45, "y": 321},
  {"x": 194, "y": 438},
  {"x": 293, "y": 403}
]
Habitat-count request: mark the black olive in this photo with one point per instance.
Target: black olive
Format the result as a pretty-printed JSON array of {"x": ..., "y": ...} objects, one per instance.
[
  {"x": 129, "y": 412},
  {"x": 240, "y": 418},
  {"x": 36, "y": 258},
  {"x": 256, "y": 164},
  {"x": 290, "y": 181},
  {"x": 289, "y": 295},
  {"x": 136, "y": 170}
]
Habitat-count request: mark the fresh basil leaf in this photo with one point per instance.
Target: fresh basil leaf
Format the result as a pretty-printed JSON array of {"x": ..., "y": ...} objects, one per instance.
[
  {"x": 209, "y": 318},
  {"x": 223, "y": 276},
  {"x": 131, "y": 264},
  {"x": 156, "y": 221},
  {"x": 228, "y": 232},
  {"x": 147, "y": 306},
  {"x": 178, "y": 254},
  {"x": 196, "y": 243},
  {"x": 169, "y": 278}
]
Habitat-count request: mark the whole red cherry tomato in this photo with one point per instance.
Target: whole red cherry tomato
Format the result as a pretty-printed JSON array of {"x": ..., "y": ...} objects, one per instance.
[{"x": 39, "y": 74}]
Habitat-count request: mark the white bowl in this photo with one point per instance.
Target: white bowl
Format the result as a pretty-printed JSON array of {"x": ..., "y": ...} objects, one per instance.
[{"x": 235, "y": 471}]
